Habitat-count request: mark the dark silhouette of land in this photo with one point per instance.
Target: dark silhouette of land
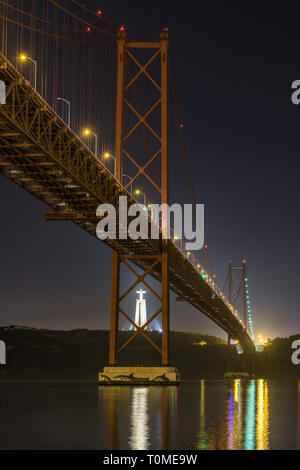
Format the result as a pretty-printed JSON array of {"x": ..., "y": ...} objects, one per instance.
[{"x": 81, "y": 354}]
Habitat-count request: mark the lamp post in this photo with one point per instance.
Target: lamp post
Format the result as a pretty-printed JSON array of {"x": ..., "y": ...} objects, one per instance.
[
  {"x": 87, "y": 133},
  {"x": 107, "y": 156},
  {"x": 69, "y": 109},
  {"x": 178, "y": 241},
  {"x": 130, "y": 179},
  {"x": 138, "y": 192},
  {"x": 23, "y": 58}
]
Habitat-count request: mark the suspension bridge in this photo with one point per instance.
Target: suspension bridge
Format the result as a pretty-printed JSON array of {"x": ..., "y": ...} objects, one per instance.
[{"x": 41, "y": 153}]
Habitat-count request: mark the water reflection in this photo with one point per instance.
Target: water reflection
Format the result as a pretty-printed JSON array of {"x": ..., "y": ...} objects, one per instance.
[
  {"x": 206, "y": 414},
  {"x": 139, "y": 438},
  {"x": 232, "y": 414},
  {"x": 262, "y": 416},
  {"x": 250, "y": 417},
  {"x": 203, "y": 436},
  {"x": 138, "y": 418}
]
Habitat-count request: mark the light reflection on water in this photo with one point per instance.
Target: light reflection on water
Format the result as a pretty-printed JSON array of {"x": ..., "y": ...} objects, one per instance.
[
  {"x": 228, "y": 414},
  {"x": 262, "y": 416},
  {"x": 139, "y": 419},
  {"x": 204, "y": 414}
]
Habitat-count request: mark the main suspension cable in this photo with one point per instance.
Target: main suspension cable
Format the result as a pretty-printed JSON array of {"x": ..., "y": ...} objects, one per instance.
[
  {"x": 91, "y": 12},
  {"x": 78, "y": 18},
  {"x": 47, "y": 33}
]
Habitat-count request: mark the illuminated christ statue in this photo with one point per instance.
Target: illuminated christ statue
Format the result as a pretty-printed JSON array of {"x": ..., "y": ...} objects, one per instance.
[{"x": 140, "y": 310}]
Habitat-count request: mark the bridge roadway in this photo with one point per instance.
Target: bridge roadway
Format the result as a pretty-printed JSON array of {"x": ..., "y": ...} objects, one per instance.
[{"x": 42, "y": 155}]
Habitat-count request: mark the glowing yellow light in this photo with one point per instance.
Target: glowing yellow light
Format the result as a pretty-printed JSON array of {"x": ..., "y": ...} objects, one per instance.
[
  {"x": 23, "y": 57},
  {"x": 198, "y": 266},
  {"x": 262, "y": 415},
  {"x": 236, "y": 390},
  {"x": 188, "y": 253},
  {"x": 137, "y": 191},
  {"x": 107, "y": 155},
  {"x": 200, "y": 343},
  {"x": 86, "y": 131},
  {"x": 149, "y": 207}
]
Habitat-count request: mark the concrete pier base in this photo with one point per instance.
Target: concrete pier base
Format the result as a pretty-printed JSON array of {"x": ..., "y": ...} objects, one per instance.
[
  {"x": 115, "y": 375},
  {"x": 236, "y": 375}
]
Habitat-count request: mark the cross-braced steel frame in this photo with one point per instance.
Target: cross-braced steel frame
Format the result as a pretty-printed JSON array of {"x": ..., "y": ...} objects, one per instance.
[{"x": 126, "y": 50}]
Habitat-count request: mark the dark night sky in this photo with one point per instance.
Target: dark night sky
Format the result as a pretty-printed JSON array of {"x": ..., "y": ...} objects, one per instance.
[{"x": 233, "y": 65}]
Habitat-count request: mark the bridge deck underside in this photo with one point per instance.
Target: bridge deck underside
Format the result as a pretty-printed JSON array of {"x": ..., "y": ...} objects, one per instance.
[{"x": 41, "y": 154}]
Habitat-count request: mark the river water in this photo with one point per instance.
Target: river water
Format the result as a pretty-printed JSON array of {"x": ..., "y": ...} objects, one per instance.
[{"x": 204, "y": 414}]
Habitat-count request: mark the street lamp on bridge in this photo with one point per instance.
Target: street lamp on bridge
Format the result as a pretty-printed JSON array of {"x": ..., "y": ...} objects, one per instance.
[
  {"x": 24, "y": 58},
  {"x": 107, "y": 156},
  {"x": 69, "y": 109},
  {"x": 87, "y": 133},
  {"x": 139, "y": 192},
  {"x": 130, "y": 178}
]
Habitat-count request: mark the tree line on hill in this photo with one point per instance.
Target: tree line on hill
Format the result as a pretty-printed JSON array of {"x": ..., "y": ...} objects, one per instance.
[{"x": 81, "y": 354}]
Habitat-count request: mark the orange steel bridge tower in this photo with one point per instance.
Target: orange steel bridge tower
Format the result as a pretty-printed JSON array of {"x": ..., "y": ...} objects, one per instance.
[{"x": 127, "y": 49}]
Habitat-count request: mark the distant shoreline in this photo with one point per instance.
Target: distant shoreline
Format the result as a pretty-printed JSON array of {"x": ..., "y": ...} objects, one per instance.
[{"x": 74, "y": 355}]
